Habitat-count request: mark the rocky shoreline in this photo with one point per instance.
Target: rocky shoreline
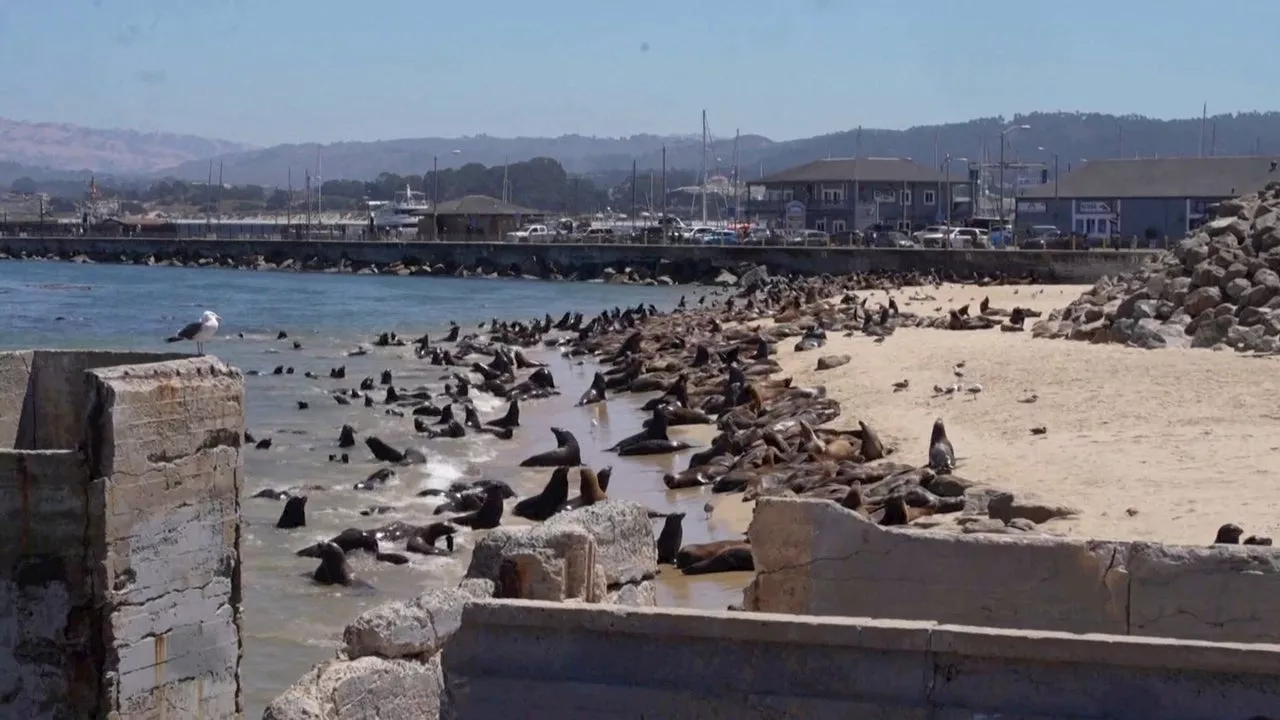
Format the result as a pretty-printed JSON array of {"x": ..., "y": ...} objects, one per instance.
[
  {"x": 661, "y": 272},
  {"x": 711, "y": 364}
]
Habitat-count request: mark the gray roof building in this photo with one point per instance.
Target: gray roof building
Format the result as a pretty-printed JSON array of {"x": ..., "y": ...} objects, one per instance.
[
  {"x": 481, "y": 205},
  {"x": 1186, "y": 177},
  {"x": 887, "y": 170}
]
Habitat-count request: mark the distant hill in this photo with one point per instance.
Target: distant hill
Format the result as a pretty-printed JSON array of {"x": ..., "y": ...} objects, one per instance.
[
  {"x": 62, "y": 147},
  {"x": 40, "y": 149}
]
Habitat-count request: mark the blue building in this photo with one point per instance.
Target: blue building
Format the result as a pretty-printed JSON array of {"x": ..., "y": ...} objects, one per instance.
[{"x": 1156, "y": 200}]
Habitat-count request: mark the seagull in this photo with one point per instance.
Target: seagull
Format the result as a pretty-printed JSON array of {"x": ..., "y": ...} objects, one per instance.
[
  {"x": 973, "y": 390},
  {"x": 203, "y": 329},
  {"x": 901, "y": 385}
]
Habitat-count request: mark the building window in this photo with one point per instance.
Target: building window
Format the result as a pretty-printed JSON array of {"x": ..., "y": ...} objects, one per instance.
[
  {"x": 820, "y": 224},
  {"x": 837, "y": 226},
  {"x": 832, "y": 196},
  {"x": 788, "y": 195},
  {"x": 930, "y": 197},
  {"x": 906, "y": 197}
]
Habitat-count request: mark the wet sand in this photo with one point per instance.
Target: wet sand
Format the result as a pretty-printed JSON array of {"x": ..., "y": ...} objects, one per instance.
[{"x": 1149, "y": 444}]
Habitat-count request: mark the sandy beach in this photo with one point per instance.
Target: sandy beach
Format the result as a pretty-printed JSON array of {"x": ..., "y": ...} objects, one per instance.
[{"x": 1149, "y": 444}]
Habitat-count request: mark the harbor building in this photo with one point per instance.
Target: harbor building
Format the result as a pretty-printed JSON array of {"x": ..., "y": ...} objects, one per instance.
[
  {"x": 1151, "y": 199},
  {"x": 844, "y": 194}
]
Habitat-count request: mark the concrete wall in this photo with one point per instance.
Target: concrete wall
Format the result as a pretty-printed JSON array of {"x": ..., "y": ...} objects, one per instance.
[
  {"x": 120, "y": 576},
  {"x": 589, "y": 260},
  {"x": 814, "y": 557},
  {"x": 532, "y": 660}
]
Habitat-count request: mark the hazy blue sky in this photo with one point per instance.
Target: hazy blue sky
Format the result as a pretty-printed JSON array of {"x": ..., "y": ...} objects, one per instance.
[{"x": 268, "y": 71}]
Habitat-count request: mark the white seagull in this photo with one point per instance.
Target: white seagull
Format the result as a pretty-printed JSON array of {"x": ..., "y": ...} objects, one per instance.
[{"x": 203, "y": 329}]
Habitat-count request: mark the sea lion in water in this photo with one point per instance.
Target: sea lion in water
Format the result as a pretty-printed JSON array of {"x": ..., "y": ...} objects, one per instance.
[
  {"x": 589, "y": 487},
  {"x": 294, "y": 514},
  {"x": 1228, "y": 534},
  {"x": 488, "y": 516},
  {"x": 603, "y": 476},
  {"x": 511, "y": 419},
  {"x": 670, "y": 538},
  {"x": 549, "y": 501},
  {"x": 424, "y": 542},
  {"x": 376, "y": 479},
  {"x": 942, "y": 457},
  {"x": 566, "y": 452},
  {"x": 383, "y": 451},
  {"x": 595, "y": 393},
  {"x": 333, "y": 568},
  {"x": 715, "y": 557}
]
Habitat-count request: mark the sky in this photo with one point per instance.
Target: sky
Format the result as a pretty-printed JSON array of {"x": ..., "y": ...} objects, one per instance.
[{"x": 274, "y": 71}]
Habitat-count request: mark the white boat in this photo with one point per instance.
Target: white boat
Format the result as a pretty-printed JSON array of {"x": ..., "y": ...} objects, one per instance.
[{"x": 404, "y": 211}]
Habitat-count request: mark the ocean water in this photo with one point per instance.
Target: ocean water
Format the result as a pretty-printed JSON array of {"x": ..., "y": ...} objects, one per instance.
[{"x": 289, "y": 622}]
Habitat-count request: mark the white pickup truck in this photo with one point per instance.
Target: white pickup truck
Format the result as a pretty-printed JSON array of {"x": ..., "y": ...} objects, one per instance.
[{"x": 531, "y": 234}]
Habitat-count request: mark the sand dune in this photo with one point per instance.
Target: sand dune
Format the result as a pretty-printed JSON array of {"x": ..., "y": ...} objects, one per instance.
[{"x": 1164, "y": 445}]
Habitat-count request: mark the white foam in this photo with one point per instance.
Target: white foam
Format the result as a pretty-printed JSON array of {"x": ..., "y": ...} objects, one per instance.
[{"x": 439, "y": 472}]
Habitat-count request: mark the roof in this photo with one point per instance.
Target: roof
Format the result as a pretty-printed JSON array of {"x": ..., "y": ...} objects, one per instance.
[
  {"x": 481, "y": 205},
  {"x": 895, "y": 170},
  {"x": 1185, "y": 177}
]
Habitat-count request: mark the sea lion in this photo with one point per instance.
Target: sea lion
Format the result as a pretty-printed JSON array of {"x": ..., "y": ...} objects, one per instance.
[
  {"x": 376, "y": 479},
  {"x": 511, "y": 419},
  {"x": 489, "y": 515},
  {"x": 273, "y": 494},
  {"x": 346, "y": 436},
  {"x": 872, "y": 448},
  {"x": 898, "y": 512},
  {"x": 1228, "y": 534},
  {"x": 942, "y": 456},
  {"x": 589, "y": 487},
  {"x": 424, "y": 542},
  {"x": 670, "y": 537},
  {"x": 333, "y": 568},
  {"x": 347, "y": 540},
  {"x": 595, "y": 393},
  {"x": 715, "y": 557},
  {"x": 567, "y": 452},
  {"x": 382, "y": 451},
  {"x": 294, "y": 514},
  {"x": 549, "y": 501},
  {"x": 603, "y": 476},
  {"x": 510, "y": 582},
  {"x": 653, "y": 440}
]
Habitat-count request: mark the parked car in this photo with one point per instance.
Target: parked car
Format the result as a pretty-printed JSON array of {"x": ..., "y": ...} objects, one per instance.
[
  {"x": 603, "y": 235},
  {"x": 533, "y": 233},
  {"x": 892, "y": 239},
  {"x": 933, "y": 236}
]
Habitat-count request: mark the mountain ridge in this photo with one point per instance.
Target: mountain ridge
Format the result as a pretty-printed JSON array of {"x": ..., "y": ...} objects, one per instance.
[{"x": 1072, "y": 137}]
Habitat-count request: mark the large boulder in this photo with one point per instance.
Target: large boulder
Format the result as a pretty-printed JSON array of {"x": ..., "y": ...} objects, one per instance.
[{"x": 370, "y": 687}]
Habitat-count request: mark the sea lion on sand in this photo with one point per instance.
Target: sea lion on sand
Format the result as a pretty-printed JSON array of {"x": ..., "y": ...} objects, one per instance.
[
  {"x": 715, "y": 557},
  {"x": 603, "y": 476},
  {"x": 898, "y": 512},
  {"x": 872, "y": 448},
  {"x": 294, "y": 514},
  {"x": 549, "y": 501},
  {"x": 1228, "y": 534},
  {"x": 595, "y": 393},
  {"x": 488, "y": 516},
  {"x": 1257, "y": 540},
  {"x": 424, "y": 542},
  {"x": 670, "y": 538},
  {"x": 567, "y": 452},
  {"x": 511, "y": 419},
  {"x": 942, "y": 456},
  {"x": 589, "y": 487}
]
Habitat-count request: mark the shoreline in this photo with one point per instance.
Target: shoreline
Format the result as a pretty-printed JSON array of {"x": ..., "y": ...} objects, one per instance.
[{"x": 617, "y": 263}]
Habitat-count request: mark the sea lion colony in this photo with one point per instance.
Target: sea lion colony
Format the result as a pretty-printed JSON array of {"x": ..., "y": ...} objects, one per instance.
[{"x": 709, "y": 363}]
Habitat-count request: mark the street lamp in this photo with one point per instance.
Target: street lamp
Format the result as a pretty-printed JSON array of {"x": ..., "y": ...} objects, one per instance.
[
  {"x": 1055, "y": 183},
  {"x": 1003, "y": 135},
  {"x": 951, "y": 200}
]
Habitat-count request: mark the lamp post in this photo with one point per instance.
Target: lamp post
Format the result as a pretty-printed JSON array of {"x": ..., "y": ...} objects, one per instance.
[
  {"x": 950, "y": 199},
  {"x": 435, "y": 194},
  {"x": 1056, "y": 197},
  {"x": 1003, "y": 141}
]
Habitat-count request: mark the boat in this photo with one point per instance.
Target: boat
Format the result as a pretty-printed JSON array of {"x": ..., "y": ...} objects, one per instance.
[{"x": 404, "y": 211}]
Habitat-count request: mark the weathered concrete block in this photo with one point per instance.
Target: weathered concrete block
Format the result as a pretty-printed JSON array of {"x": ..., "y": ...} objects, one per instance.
[
  {"x": 815, "y": 557},
  {"x": 1219, "y": 593},
  {"x": 119, "y": 536},
  {"x": 415, "y": 629},
  {"x": 554, "y": 563},
  {"x": 370, "y": 688},
  {"x": 625, "y": 543}
]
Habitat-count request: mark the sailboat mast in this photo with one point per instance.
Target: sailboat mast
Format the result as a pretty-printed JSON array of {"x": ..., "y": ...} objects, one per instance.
[
  {"x": 733, "y": 186},
  {"x": 703, "y": 189},
  {"x": 319, "y": 186}
]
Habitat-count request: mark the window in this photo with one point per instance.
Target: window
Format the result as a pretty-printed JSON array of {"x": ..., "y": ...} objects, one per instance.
[
  {"x": 906, "y": 197},
  {"x": 832, "y": 196},
  {"x": 837, "y": 226},
  {"x": 820, "y": 224},
  {"x": 788, "y": 195},
  {"x": 930, "y": 197}
]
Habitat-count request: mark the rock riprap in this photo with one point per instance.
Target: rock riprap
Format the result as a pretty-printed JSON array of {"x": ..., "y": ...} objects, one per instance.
[{"x": 1218, "y": 288}]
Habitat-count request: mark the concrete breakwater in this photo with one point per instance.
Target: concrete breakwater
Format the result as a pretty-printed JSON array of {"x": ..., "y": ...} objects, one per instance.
[
  {"x": 120, "y": 582},
  {"x": 627, "y": 262}
]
